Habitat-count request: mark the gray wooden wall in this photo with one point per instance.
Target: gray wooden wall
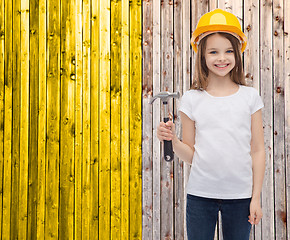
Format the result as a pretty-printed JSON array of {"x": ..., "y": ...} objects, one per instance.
[{"x": 168, "y": 61}]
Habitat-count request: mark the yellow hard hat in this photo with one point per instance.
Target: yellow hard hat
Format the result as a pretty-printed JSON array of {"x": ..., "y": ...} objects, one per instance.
[{"x": 218, "y": 20}]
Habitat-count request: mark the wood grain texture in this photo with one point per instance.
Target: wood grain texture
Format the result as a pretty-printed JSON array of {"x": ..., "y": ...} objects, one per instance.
[
  {"x": 104, "y": 113},
  {"x": 78, "y": 121},
  {"x": 178, "y": 168},
  {"x": 125, "y": 122},
  {"x": 8, "y": 76},
  {"x": 33, "y": 59},
  {"x": 95, "y": 80},
  {"x": 116, "y": 119},
  {"x": 166, "y": 173},
  {"x": 286, "y": 36},
  {"x": 53, "y": 118},
  {"x": 71, "y": 124},
  {"x": 24, "y": 121},
  {"x": 86, "y": 115},
  {"x": 16, "y": 115},
  {"x": 67, "y": 120},
  {"x": 42, "y": 116},
  {"x": 135, "y": 177},
  {"x": 2, "y": 81},
  {"x": 266, "y": 76},
  {"x": 279, "y": 121},
  {"x": 147, "y": 147},
  {"x": 156, "y": 115}
]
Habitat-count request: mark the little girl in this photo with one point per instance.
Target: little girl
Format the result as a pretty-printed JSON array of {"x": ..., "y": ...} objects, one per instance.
[{"x": 222, "y": 134}]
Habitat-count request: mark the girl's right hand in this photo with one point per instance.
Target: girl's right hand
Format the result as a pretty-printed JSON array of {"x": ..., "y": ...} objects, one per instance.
[{"x": 166, "y": 131}]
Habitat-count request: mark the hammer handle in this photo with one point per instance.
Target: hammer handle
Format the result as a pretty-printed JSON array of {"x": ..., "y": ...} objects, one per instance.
[{"x": 168, "y": 150}]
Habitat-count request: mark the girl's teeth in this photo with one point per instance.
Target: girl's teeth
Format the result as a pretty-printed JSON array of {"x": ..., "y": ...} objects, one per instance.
[{"x": 221, "y": 65}]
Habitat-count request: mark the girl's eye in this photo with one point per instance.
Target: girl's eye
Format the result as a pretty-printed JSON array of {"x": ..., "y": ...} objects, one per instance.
[
  {"x": 212, "y": 52},
  {"x": 230, "y": 51}
]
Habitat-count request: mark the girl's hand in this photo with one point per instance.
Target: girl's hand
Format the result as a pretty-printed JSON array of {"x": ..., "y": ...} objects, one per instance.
[
  {"x": 166, "y": 131},
  {"x": 255, "y": 212}
]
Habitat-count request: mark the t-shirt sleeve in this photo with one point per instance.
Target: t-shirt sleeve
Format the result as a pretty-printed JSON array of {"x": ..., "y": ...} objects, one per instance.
[
  {"x": 257, "y": 102},
  {"x": 186, "y": 105}
]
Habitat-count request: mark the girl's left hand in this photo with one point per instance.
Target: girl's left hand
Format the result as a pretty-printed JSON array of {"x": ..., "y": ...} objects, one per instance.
[{"x": 255, "y": 212}]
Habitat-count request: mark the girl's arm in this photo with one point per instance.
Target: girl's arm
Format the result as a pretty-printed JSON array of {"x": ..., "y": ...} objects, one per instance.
[
  {"x": 183, "y": 149},
  {"x": 258, "y": 165}
]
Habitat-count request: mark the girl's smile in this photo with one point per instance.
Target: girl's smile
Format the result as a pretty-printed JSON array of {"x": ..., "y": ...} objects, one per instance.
[{"x": 224, "y": 66}]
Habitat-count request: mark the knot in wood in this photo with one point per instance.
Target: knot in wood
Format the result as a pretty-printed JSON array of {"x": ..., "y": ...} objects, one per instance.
[
  {"x": 249, "y": 28},
  {"x": 73, "y": 61},
  {"x": 73, "y": 76},
  {"x": 278, "y": 90}
]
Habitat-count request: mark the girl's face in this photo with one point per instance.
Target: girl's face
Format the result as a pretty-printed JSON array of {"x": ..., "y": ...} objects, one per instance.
[{"x": 219, "y": 56}]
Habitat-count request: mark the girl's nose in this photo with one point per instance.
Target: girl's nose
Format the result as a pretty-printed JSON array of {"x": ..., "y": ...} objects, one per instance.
[{"x": 221, "y": 57}]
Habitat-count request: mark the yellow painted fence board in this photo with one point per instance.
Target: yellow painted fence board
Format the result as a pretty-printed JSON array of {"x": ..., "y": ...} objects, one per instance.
[
  {"x": 116, "y": 119},
  {"x": 41, "y": 148},
  {"x": 125, "y": 111},
  {"x": 104, "y": 124},
  {"x": 70, "y": 119},
  {"x": 7, "y": 141},
  {"x": 2, "y": 47}
]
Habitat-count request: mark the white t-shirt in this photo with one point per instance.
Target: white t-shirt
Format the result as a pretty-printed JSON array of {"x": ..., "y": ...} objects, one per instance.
[{"x": 222, "y": 165}]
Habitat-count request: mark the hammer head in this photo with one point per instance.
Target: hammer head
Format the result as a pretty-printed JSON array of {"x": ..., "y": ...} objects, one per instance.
[{"x": 164, "y": 96}]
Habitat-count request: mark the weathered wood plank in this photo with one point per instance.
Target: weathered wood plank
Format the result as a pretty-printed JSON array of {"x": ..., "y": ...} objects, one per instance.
[
  {"x": 166, "y": 173},
  {"x": 16, "y": 115},
  {"x": 86, "y": 162},
  {"x": 24, "y": 121},
  {"x": 179, "y": 200},
  {"x": 78, "y": 121},
  {"x": 53, "y": 118},
  {"x": 147, "y": 177},
  {"x": 33, "y": 119},
  {"x": 8, "y": 76},
  {"x": 135, "y": 119},
  {"x": 251, "y": 61},
  {"x": 2, "y": 109},
  {"x": 287, "y": 109},
  {"x": 104, "y": 114},
  {"x": 116, "y": 119},
  {"x": 278, "y": 125},
  {"x": 197, "y": 10},
  {"x": 95, "y": 79},
  {"x": 41, "y": 152},
  {"x": 125, "y": 127},
  {"x": 251, "y": 54},
  {"x": 213, "y": 4},
  {"x": 156, "y": 221},
  {"x": 67, "y": 122},
  {"x": 266, "y": 76}
]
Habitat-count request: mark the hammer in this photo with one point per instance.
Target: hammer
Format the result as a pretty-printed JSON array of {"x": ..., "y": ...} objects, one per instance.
[{"x": 168, "y": 150}]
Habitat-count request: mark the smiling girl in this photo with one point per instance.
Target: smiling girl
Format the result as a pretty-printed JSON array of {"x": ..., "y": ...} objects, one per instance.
[{"x": 222, "y": 134}]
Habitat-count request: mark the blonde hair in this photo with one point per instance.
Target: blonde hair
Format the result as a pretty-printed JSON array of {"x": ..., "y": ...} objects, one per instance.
[{"x": 200, "y": 79}]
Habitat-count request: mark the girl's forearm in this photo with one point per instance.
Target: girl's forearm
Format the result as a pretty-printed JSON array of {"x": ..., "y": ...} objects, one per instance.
[
  {"x": 258, "y": 166},
  {"x": 182, "y": 150}
]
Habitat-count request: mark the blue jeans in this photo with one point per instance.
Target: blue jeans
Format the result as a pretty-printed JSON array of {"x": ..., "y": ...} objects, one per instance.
[{"x": 202, "y": 215}]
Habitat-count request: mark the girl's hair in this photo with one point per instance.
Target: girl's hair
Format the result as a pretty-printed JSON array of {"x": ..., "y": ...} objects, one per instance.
[{"x": 200, "y": 80}]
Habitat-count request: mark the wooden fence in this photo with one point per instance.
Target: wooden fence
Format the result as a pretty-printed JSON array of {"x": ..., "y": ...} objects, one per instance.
[
  {"x": 70, "y": 119},
  {"x": 168, "y": 62},
  {"x": 71, "y": 115}
]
